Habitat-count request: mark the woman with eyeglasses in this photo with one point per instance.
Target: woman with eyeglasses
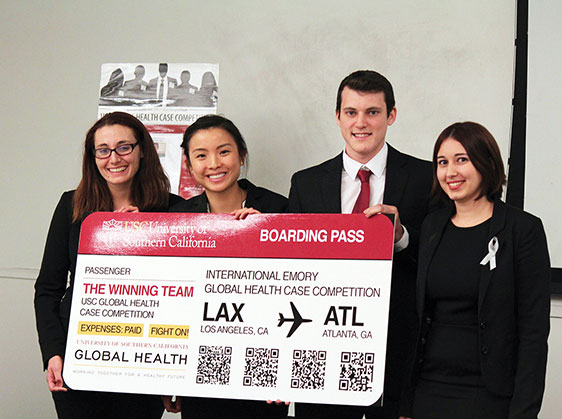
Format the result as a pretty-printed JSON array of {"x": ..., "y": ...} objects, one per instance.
[
  {"x": 216, "y": 152},
  {"x": 120, "y": 172}
]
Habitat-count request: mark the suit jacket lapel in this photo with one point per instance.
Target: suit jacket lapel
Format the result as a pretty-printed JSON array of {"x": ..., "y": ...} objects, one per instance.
[
  {"x": 200, "y": 203},
  {"x": 434, "y": 232},
  {"x": 253, "y": 194},
  {"x": 396, "y": 178},
  {"x": 331, "y": 185},
  {"x": 496, "y": 227}
]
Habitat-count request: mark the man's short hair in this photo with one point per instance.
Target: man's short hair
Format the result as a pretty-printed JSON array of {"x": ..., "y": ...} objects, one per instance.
[{"x": 368, "y": 81}]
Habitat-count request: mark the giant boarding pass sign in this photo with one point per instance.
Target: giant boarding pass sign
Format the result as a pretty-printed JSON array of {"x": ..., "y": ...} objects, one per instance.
[{"x": 276, "y": 306}]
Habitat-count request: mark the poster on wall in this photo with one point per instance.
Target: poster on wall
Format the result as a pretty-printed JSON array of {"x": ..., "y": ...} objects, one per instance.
[
  {"x": 167, "y": 98},
  {"x": 174, "y": 304}
]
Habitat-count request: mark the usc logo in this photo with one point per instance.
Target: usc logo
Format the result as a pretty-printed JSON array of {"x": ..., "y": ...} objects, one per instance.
[{"x": 137, "y": 225}]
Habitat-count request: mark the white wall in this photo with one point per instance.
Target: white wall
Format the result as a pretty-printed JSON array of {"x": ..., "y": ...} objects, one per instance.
[
  {"x": 23, "y": 390},
  {"x": 280, "y": 65},
  {"x": 544, "y": 101}
]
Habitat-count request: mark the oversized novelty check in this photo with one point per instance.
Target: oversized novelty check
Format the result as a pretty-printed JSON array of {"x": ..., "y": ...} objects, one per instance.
[{"x": 291, "y": 307}]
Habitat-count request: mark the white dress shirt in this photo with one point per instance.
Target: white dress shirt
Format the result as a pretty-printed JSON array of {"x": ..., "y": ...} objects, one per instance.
[
  {"x": 351, "y": 186},
  {"x": 165, "y": 86}
]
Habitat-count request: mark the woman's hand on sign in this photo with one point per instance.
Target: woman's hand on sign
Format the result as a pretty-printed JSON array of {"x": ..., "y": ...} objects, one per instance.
[
  {"x": 278, "y": 402},
  {"x": 127, "y": 208},
  {"x": 173, "y": 406},
  {"x": 54, "y": 374},
  {"x": 244, "y": 212}
]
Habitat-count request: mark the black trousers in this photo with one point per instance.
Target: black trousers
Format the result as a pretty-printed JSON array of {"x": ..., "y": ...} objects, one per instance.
[
  {"x": 388, "y": 411},
  {"x": 434, "y": 400},
  {"x": 320, "y": 411},
  {"x": 75, "y": 404},
  {"x": 210, "y": 408}
]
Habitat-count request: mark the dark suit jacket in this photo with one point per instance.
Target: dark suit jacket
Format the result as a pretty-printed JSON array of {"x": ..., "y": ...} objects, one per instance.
[
  {"x": 408, "y": 183},
  {"x": 52, "y": 312},
  {"x": 258, "y": 198},
  {"x": 513, "y": 305},
  {"x": 265, "y": 201},
  {"x": 52, "y": 296}
]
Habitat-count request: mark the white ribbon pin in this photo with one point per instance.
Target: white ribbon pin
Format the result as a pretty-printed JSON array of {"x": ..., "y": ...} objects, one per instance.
[{"x": 493, "y": 247}]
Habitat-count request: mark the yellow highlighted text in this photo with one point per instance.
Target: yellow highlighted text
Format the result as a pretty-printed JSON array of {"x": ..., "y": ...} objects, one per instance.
[
  {"x": 110, "y": 329},
  {"x": 168, "y": 331}
]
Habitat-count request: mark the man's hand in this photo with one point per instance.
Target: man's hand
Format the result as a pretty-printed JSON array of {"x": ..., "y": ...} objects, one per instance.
[{"x": 387, "y": 209}]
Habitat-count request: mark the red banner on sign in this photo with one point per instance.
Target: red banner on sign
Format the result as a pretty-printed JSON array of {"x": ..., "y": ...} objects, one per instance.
[{"x": 300, "y": 236}]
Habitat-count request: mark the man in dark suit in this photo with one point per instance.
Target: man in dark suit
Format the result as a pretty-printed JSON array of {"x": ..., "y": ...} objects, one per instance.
[{"x": 395, "y": 183}]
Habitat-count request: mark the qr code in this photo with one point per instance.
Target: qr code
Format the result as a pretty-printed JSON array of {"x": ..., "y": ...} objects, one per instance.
[
  {"x": 309, "y": 369},
  {"x": 261, "y": 367},
  {"x": 213, "y": 365},
  {"x": 356, "y": 371}
]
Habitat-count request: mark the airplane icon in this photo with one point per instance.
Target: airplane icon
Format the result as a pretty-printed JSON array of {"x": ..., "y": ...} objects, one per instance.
[{"x": 297, "y": 320}]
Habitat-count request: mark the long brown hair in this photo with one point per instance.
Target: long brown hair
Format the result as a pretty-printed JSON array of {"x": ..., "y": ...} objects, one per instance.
[{"x": 149, "y": 190}]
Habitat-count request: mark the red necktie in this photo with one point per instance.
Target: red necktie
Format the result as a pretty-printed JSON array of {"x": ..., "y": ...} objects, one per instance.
[{"x": 362, "y": 202}]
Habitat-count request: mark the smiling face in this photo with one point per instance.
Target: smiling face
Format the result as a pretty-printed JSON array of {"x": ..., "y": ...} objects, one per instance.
[
  {"x": 214, "y": 159},
  {"x": 363, "y": 121},
  {"x": 457, "y": 176},
  {"x": 118, "y": 171}
]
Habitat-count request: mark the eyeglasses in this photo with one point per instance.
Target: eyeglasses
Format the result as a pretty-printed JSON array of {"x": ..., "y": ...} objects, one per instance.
[{"x": 122, "y": 150}]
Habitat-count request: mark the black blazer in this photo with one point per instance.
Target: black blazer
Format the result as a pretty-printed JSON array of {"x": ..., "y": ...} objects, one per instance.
[
  {"x": 408, "y": 184},
  {"x": 265, "y": 201},
  {"x": 52, "y": 296},
  {"x": 513, "y": 305},
  {"x": 258, "y": 198}
]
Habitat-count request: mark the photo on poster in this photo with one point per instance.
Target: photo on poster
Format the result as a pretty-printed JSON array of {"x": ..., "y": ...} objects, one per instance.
[{"x": 159, "y": 85}]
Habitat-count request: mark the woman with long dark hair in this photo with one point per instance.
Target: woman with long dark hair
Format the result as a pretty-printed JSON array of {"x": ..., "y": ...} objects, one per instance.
[{"x": 120, "y": 172}]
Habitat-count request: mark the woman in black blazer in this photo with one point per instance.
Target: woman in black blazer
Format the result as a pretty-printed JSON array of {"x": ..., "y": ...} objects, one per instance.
[
  {"x": 120, "y": 172},
  {"x": 215, "y": 152},
  {"x": 483, "y": 291}
]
